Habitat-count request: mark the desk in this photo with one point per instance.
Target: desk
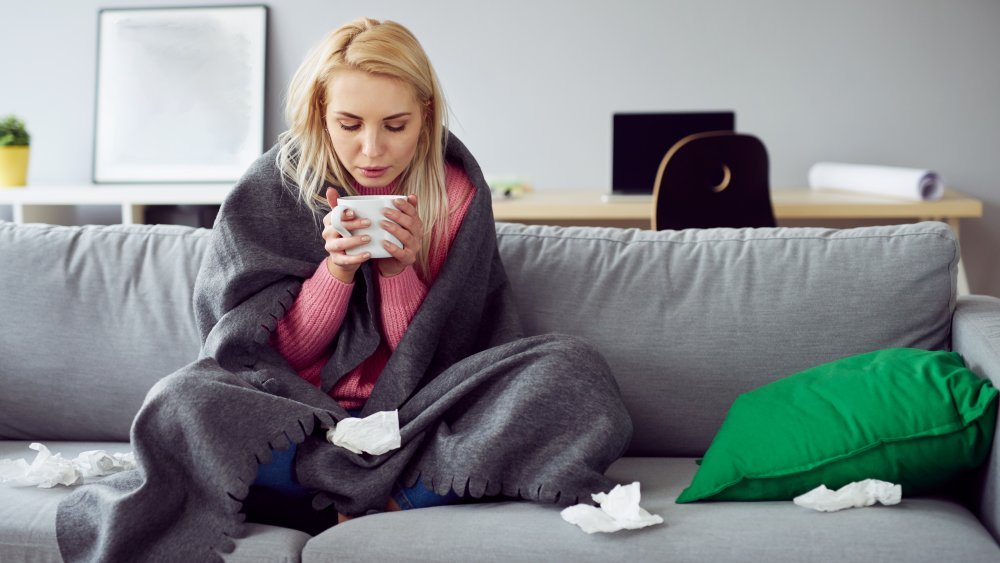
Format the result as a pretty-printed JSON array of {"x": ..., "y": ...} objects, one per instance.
[
  {"x": 577, "y": 207},
  {"x": 571, "y": 207}
]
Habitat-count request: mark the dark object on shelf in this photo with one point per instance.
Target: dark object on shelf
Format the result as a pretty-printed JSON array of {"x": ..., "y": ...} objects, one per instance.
[{"x": 189, "y": 215}]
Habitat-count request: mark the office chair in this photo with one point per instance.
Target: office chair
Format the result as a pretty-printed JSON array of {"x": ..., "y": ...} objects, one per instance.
[{"x": 713, "y": 179}]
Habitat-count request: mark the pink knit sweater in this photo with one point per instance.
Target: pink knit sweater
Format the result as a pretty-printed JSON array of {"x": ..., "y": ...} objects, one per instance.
[{"x": 303, "y": 336}]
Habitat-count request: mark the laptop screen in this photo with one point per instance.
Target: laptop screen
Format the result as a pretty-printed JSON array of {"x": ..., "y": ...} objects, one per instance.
[{"x": 640, "y": 141}]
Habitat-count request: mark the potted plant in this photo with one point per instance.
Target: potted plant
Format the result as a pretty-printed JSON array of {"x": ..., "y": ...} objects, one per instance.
[{"x": 14, "y": 141}]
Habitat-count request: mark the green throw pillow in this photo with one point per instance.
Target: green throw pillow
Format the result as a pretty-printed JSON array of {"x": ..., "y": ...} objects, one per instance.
[{"x": 906, "y": 416}]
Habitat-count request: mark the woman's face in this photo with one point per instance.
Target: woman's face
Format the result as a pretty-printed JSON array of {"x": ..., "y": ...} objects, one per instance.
[{"x": 374, "y": 122}]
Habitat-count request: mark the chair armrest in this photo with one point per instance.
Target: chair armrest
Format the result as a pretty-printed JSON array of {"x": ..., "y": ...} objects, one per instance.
[{"x": 975, "y": 334}]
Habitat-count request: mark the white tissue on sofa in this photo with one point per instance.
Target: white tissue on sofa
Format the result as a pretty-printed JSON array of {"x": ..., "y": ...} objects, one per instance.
[
  {"x": 48, "y": 469},
  {"x": 375, "y": 434},
  {"x": 851, "y": 495},
  {"x": 619, "y": 510}
]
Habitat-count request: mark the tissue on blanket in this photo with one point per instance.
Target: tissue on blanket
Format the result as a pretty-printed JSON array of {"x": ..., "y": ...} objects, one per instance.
[
  {"x": 49, "y": 470},
  {"x": 375, "y": 434},
  {"x": 619, "y": 510},
  {"x": 851, "y": 495},
  {"x": 908, "y": 183}
]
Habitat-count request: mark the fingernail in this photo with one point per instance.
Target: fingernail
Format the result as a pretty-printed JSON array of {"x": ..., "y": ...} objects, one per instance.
[
  {"x": 366, "y": 222},
  {"x": 350, "y": 213},
  {"x": 365, "y": 238}
]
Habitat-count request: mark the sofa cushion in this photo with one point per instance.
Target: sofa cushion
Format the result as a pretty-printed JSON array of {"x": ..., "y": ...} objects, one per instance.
[
  {"x": 916, "y": 530},
  {"x": 690, "y": 319},
  {"x": 28, "y": 516},
  {"x": 92, "y": 317},
  {"x": 911, "y": 417}
]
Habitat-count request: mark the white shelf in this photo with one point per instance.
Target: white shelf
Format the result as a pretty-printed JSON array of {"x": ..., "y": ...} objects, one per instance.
[{"x": 52, "y": 204}]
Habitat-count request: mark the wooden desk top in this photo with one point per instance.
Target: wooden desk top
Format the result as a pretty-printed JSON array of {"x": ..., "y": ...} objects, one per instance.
[
  {"x": 789, "y": 203},
  {"x": 557, "y": 206}
]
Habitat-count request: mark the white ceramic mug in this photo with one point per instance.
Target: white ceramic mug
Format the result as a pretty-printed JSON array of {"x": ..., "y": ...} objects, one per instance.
[{"x": 366, "y": 207}]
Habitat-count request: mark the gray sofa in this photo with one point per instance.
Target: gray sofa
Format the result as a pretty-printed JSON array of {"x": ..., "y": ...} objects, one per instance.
[{"x": 93, "y": 316}]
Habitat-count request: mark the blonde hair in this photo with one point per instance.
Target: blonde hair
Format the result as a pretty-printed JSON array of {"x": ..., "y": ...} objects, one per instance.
[{"x": 305, "y": 151}]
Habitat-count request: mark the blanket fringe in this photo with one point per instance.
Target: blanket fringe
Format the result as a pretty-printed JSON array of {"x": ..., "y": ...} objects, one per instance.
[
  {"x": 295, "y": 432},
  {"x": 478, "y": 488}
]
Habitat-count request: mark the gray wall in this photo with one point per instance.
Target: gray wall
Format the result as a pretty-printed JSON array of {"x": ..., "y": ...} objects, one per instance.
[{"x": 532, "y": 84}]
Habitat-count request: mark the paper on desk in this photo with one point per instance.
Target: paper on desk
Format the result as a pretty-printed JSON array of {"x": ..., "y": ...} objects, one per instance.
[
  {"x": 908, "y": 183},
  {"x": 619, "y": 510},
  {"x": 49, "y": 470},
  {"x": 374, "y": 434},
  {"x": 851, "y": 495}
]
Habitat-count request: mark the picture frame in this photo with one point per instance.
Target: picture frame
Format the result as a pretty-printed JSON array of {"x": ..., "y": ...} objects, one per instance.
[{"x": 180, "y": 93}]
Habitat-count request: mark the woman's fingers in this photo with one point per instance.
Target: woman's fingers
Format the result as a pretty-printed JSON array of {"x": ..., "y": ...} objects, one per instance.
[
  {"x": 405, "y": 256},
  {"x": 336, "y": 243},
  {"x": 348, "y": 260},
  {"x": 405, "y": 216},
  {"x": 350, "y": 225}
]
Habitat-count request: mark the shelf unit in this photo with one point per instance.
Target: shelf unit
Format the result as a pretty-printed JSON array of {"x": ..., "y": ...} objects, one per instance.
[{"x": 55, "y": 204}]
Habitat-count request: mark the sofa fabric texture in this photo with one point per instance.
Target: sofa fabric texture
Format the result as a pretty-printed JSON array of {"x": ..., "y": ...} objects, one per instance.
[
  {"x": 96, "y": 316},
  {"x": 687, "y": 321}
]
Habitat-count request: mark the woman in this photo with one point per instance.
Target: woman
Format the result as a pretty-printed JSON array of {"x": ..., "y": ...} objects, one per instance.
[
  {"x": 381, "y": 115},
  {"x": 299, "y": 335}
]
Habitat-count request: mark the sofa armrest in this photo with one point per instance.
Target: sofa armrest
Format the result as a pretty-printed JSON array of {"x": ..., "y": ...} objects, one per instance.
[{"x": 976, "y": 336}]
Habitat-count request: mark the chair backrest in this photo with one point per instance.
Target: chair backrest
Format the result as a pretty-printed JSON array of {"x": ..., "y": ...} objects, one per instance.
[{"x": 713, "y": 179}]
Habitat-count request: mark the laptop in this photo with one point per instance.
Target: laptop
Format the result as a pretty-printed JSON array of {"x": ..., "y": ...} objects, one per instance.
[{"x": 640, "y": 140}]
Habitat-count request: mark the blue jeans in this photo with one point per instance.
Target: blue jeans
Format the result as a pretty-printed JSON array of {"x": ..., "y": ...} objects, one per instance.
[{"x": 279, "y": 476}]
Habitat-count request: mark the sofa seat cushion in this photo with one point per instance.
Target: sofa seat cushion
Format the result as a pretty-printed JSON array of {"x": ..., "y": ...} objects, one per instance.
[
  {"x": 918, "y": 529},
  {"x": 28, "y": 516}
]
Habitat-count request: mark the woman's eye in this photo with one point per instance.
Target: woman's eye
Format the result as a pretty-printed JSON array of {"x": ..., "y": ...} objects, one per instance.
[
  {"x": 395, "y": 128},
  {"x": 347, "y": 127}
]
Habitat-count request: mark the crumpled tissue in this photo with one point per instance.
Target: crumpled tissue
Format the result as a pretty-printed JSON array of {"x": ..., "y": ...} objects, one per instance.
[
  {"x": 49, "y": 470},
  {"x": 374, "y": 434},
  {"x": 851, "y": 495},
  {"x": 619, "y": 510}
]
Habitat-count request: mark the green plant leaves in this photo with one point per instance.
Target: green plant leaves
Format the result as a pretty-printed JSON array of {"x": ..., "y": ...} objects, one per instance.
[{"x": 13, "y": 132}]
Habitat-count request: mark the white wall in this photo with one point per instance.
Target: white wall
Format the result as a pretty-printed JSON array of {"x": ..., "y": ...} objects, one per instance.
[{"x": 533, "y": 84}]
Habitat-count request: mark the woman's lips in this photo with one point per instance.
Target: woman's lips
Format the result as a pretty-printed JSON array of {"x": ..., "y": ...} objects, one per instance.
[{"x": 374, "y": 172}]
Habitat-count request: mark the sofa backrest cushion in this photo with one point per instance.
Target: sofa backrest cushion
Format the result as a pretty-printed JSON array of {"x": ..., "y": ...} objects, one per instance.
[
  {"x": 690, "y": 319},
  {"x": 90, "y": 318}
]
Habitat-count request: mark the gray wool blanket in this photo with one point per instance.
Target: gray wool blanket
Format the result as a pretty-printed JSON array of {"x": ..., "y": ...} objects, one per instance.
[{"x": 483, "y": 410}]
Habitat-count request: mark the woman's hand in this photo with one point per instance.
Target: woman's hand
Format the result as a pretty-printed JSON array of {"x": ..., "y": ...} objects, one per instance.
[
  {"x": 406, "y": 226},
  {"x": 340, "y": 264}
]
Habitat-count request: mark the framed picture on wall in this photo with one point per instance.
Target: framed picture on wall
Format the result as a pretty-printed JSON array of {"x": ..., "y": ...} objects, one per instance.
[{"x": 180, "y": 93}]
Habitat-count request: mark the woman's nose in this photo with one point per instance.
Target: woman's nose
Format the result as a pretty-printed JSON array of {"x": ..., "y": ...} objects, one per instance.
[{"x": 370, "y": 143}]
